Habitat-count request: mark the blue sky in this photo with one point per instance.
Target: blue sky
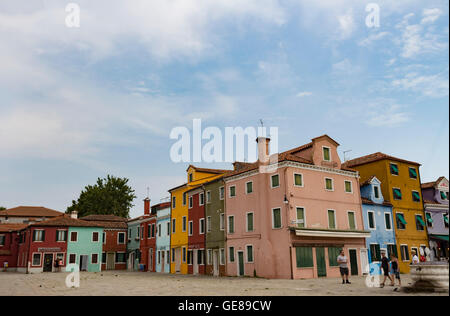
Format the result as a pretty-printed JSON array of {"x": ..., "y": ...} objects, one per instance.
[{"x": 81, "y": 103}]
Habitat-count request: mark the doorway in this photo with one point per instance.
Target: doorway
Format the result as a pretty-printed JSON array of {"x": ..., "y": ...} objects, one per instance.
[
  {"x": 241, "y": 268},
  {"x": 84, "y": 259},
  {"x": 364, "y": 261},
  {"x": 110, "y": 261},
  {"x": 48, "y": 262},
  {"x": 163, "y": 253},
  {"x": 131, "y": 262},
  {"x": 321, "y": 265},
  {"x": 178, "y": 260},
  {"x": 216, "y": 263},
  {"x": 195, "y": 261},
  {"x": 150, "y": 260},
  {"x": 353, "y": 261}
]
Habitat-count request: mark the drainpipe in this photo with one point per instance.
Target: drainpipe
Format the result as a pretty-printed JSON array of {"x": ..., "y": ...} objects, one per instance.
[{"x": 287, "y": 202}]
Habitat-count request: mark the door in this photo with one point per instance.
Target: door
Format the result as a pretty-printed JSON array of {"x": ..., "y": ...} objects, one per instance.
[
  {"x": 178, "y": 260},
  {"x": 110, "y": 261},
  {"x": 163, "y": 253},
  {"x": 353, "y": 261},
  {"x": 216, "y": 263},
  {"x": 364, "y": 261},
  {"x": 195, "y": 261},
  {"x": 320, "y": 259},
  {"x": 48, "y": 262},
  {"x": 241, "y": 271},
  {"x": 84, "y": 262},
  {"x": 131, "y": 262},
  {"x": 150, "y": 259}
]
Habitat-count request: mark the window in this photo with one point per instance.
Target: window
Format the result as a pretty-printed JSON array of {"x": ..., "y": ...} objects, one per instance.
[
  {"x": 230, "y": 224},
  {"x": 348, "y": 187},
  {"x": 371, "y": 219},
  {"x": 174, "y": 202},
  {"x": 184, "y": 254},
  {"x": 401, "y": 223},
  {"x": 94, "y": 258},
  {"x": 2, "y": 240},
  {"x": 333, "y": 253},
  {"x": 168, "y": 257},
  {"x": 201, "y": 257},
  {"x": 208, "y": 197},
  {"x": 231, "y": 254},
  {"x": 191, "y": 228},
  {"x": 420, "y": 224},
  {"x": 275, "y": 181},
  {"x": 191, "y": 202},
  {"x": 249, "y": 253},
  {"x": 376, "y": 190},
  {"x": 104, "y": 237},
  {"x": 159, "y": 256},
  {"x": 415, "y": 196},
  {"x": 331, "y": 219},
  {"x": 209, "y": 259},
  {"x": 36, "y": 259},
  {"x": 404, "y": 252},
  {"x": 412, "y": 173},
  {"x": 375, "y": 252},
  {"x": 73, "y": 236},
  {"x": 221, "y": 193},
  {"x": 392, "y": 250},
  {"x": 173, "y": 254},
  {"x": 121, "y": 238},
  {"x": 174, "y": 221},
  {"x": 138, "y": 232},
  {"x": 202, "y": 226},
  {"x": 249, "y": 187},
  {"x": 201, "y": 197},
  {"x": 444, "y": 195},
  {"x": 73, "y": 258},
  {"x": 298, "y": 180},
  {"x": 168, "y": 228},
  {"x": 94, "y": 236},
  {"x": 103, "y": 257},
  {"x": 301, "y": 217},
  {"x": 397, "y": 194},
  {"x": 61, "y": 235},
  {"x": 208, "y": 224},
  {"x": 142, "y": 232},
  {"x": 184, "y": 198},
  {"x": 304, "y": 256},
  {"x": 222, "y": 221},
  {"x": 191, "y": 177},
  {"x": 328, "y": 184},
  {"x": 159, "y": 230},
  {"x": 394, "y": 169},
  {"x": 39, "y": 235},
  {"x": 276, "y": 218},
  {"x": 184, "y": 223},
  {"x": 190, "y": 257},
  {"x": 120, "y": 257},
  {"x": 445, "y": 220},
  {"x": 387, "y": 221},
  {"x": 326, "y": 153},
  {"x": 222, "y": 256},
  {"x": 351, "y": 220},
  {"x": 232, "y": 191},
  {"x": 249, "y": 222},
  {"x": 153, "y": 230},
  {"x": 429, "y": 219}
]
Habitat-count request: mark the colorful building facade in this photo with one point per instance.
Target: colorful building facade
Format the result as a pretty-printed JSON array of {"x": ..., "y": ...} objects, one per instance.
[
  {"x": 435, "y": 196},
  {"x": 196, "y": 231},
  {"x": 148, "y": 238},
  {"x": 134, "y": 243},
  {"x": 163, "y": 237},
  {"x": 401, "y": 186},
  {"x": 9, "y": 245},
  {"x": 27, "y": 214},
  {"x": 378, "y": 219}
]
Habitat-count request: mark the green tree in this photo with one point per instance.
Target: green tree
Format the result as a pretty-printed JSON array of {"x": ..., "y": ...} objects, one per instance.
[
  {"x": 2, "y": 208},
  {"x": 110, "y": 196}
]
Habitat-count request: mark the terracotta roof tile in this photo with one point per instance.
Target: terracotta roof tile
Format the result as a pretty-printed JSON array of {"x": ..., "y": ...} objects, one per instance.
[
  {"x": 432, "y": 184},
  {"x": 5, "y": 228},
  {"x": 103, "y": 218},
  {"x": 368, "y": 201},
  {"x": 374, "y": 157},
  {"x": 65, "y": 220},
  {"x": 30, "y": 211}
]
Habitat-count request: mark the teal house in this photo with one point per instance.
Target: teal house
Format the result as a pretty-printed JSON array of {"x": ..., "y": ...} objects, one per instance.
[
  {"x": 133, "y": 243},
  {"x": 84, "y": 246}
]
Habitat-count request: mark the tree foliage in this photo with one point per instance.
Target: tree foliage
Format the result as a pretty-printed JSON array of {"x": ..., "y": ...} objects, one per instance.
[
  {"x": 2, "y": 208},
  {"x": 110, "y": 196}
]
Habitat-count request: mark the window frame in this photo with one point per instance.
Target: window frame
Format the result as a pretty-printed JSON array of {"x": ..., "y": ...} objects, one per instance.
[
  {"x": 273, "y": 218},
  {"x": 202, "y": 227},
  {"x": 246, "y": 222},
  {"x": 190, "y": 228},
  {"x": 301, "y": 176},
  {"x": 345, "y": 187},
  {"x": 304, "y": 216},
  {"x": 247, "y": 252},
  {"x": 415, "y": 170},
  {"x": 328, "y": 219},
  {"x": 420, "y": 198},
  {"x": 228, "y": 225},
  {"x": 373, "y": 220},
  {"x": 403, "y": 215},
  {"x": 332, "y": 184},
  {"x": 393, "y": 194},
  {"x": 271, "y": 181},
  {"x": 390, "y": 169},
  {"x": 329, "y": 153},
  {"x": 246, "y": 187},
  {"x": 390, "y": 221},
  {"x": 354, "y": 218}
]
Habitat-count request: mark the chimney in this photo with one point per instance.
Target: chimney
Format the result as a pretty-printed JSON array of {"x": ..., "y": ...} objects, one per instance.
[
  {"x": 74, "y": 215},
  {"x": 147, "y": 206},
  {"x": 263, "y": 148}
]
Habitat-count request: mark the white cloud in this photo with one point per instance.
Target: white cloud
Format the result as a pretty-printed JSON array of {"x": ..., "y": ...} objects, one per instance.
[
  {"x": 304, "y": 94},
  {"x": 431, "y": 15},
  {"x": 386, "y": 115},
  {"x": 372, "y": 38},
  {"x": 436, "y": 85},
  {"x": 346, "y": 25}
]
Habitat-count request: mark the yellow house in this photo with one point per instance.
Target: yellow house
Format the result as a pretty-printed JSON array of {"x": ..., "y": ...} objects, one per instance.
[
  {"x": 179, "y": 215},
  {"x": 401, "y": 186}
]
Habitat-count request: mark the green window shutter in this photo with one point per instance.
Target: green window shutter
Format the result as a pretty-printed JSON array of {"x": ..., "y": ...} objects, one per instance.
[
  {"x": 446, "y": 218},
  {"x": 329, "y": 184},
  {"x": 351, "y": 220},
  {"x": 333, "y": 253},
  {"x": 397, "y": 194},
  {"x": 250, "y": 222},
  {"x": 429, "y": 219},
  {"x": 298, "y": 180},
  {"x": 277, "y": 218},
  {"x": 43, "y": 235},
  {"x": 300, "y": 217},
  {"x": 420, "y": 220},
  {"x": 412, "y": 173},
  {"x": 348, "y": 186},
  {"x": 416, "y": 196},
  {"x": 331, "y": 219},
  {"x": 326, "y": 154},
  {"x": 304, "y": 257},
  {"x": 250, "y": 187},
  {"x": 401, "y": 219},
  {"x": 443, "y": 195},
  {"x": 394, "y": 169},
  {"x": 275, "y": 181}
]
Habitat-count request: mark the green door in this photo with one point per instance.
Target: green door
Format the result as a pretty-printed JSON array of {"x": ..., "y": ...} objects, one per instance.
[
  {"x": 353, "y": 261},
  {"x": 321, "y": 265},
  {"x": 241, "y": 263}
]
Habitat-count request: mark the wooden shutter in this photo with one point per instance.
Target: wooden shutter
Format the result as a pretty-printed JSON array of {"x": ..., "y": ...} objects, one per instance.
[{"x": 304, "y": 257}]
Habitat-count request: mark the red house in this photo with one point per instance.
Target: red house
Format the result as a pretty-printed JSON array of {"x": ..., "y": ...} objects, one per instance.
[
  {"x": 43, "y": 245},
  {"x": 148, "y": 238},
  {"x": 196, "y": 232},
  {"x": 115, "y": 231},
  {"x": 9, "y": 245}
]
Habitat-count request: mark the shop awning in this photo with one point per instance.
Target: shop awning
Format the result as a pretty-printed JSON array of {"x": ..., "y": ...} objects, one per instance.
[
  {"x": 401, "y": 219},
  {"x": 440, "y": 237},
  {"x": 419, "y": 218}
]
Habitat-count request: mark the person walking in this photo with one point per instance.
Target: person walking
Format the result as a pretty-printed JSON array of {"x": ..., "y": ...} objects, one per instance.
[
  {"x": 395, "y": 270},
  {"x": 343, "y": 267},
  {"x": 385, "y": 268}
]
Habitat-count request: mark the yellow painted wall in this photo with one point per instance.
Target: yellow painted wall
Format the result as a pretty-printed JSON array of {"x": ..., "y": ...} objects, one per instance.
[
  {"x": 179, "y": 240},
  {"x": 410, "y": 236}
]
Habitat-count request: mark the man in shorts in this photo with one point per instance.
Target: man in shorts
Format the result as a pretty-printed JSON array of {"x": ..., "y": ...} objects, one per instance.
[
  {"x": 395, "y": 270},
  {"x": 385, "y": 268},
  {"x": 343, "y": 267}
]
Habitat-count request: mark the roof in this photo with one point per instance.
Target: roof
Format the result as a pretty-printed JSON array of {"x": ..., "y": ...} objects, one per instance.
[
  {"x": 161, "y": 206},
  {"x": 429, "y": 185},
  {"x": 373, "y": 158},
  {"x": 30, "y": 211},
  {"x": 368, "y": 181},
  {"x": 368, "y": 201},
  {"x": 107, "y": 221},
  {"x": 206, "y": 170},
  {"x": 6, "y": 228},
  {"x": 65, "y": 220}
]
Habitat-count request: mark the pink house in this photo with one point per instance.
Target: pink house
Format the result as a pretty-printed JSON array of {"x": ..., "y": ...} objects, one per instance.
[{"x": 292, "y": 222}]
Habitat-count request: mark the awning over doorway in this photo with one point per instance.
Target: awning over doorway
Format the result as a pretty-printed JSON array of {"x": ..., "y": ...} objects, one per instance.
[{"x": 440, "y": 237}]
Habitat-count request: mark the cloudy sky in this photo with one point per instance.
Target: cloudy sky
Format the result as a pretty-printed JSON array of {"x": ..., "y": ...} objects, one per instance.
[{"x": 81, "y": 103}]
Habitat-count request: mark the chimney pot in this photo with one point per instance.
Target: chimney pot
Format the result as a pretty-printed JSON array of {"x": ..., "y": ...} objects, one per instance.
[
  {"x": 74, "y": 215},
  {"x": 263, "y": 148}
]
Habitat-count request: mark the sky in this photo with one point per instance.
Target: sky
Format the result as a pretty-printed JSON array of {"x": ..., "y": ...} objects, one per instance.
[{"x": 78, "y": 103}]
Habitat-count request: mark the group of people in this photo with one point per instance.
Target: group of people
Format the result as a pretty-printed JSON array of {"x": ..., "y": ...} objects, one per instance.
[{"x": 390, "y": 268}]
